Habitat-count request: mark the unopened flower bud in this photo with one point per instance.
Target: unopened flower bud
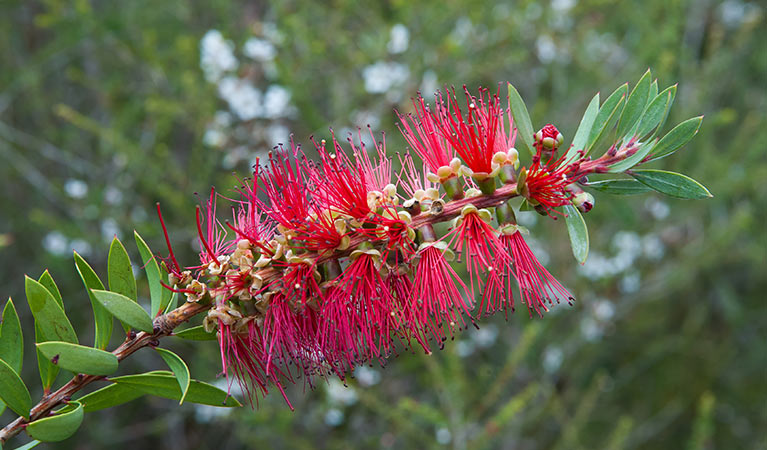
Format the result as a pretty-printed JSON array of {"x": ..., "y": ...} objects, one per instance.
[
  {"x": 549, "y": 137},
  {"x": 584, "y": 201}
]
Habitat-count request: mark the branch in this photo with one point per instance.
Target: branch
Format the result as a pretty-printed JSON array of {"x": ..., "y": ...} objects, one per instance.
[{"x": 163, "y": 326}]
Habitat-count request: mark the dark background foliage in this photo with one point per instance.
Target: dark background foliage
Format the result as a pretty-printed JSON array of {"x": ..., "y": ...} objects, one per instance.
[{"x": 107, "y": 108}]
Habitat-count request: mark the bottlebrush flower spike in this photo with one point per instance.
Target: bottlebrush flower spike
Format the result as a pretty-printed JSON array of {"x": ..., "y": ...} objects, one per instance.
[
  {"x": 422, "y": 133},
  {"x": 536, "y": 285},
  {"x": 328, "y": 270}
]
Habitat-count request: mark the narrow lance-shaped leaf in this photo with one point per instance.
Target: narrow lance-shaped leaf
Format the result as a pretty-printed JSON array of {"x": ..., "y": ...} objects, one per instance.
[
  {"x": 656, "y": 111},
  {"x": 619, "y": 186},
  {"x": 579, "y": 235},
  {"x": 109, "y": 396},
  {"x": 671, "y": 183},
  {"x": 653, "y": 90},
  {"x": 604, "y": 137},
  {"x": 62, "y": 425},
  {"x": 153, "y": 276},
  {"x": 11, "y": 338},
  {"x": 102, "y": 317},
  {"x": 635, "y": 104},
  {"x": 179, "y": 369},
  {"x": 47, "y": 280},
  {"x": 55, "y": 325},
  {"x": 79, "y": 359},
  {"x": 120, "y": 273},
  {"x": 609, "y": 109},
  {"x": 677, "y": 137},
  {"x": 521, "y": 119},
  {"x": 164, "y": 384},
  {"x": 581, "y": 138},
  {"x": 29, "y": 445},
  {"x": 197, "y": 333},
  {"x": 13, "y": 392},
  {"x": 51, "y": 324},
  {"x": 125, "y": 309}
]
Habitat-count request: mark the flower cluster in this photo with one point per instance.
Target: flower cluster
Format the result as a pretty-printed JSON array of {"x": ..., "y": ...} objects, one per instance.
[{"x": 331, "y": 264}]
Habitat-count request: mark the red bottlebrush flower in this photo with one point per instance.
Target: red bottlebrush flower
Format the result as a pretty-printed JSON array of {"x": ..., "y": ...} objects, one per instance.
[
  {"x": 242, "y": 355},
  {"x": 473, "y": 134},
  {"x": 213, "y": 243},
  {"x": 547, "y": 181},
  {"x": 411, "y": 179},
  {"x": 339, "y": 184},
  {"x": 284, "y": 184},
  {"x": 437, "y": 304},
  {"x": 421, "y": 131},
  {"x": 362, "y": 312},
  {"x": 376, "y": 173},
  {"x": 476, "y": 241},
  {"x": 536, "y": 285}
]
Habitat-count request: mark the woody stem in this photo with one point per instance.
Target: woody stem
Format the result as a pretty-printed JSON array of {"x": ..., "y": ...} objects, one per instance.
[{"x": 163, "y": 326}]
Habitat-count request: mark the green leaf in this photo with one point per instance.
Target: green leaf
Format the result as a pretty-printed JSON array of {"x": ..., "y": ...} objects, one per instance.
[
  {"x": 172, "y": 303},
  {"x": 179, "y": 368},
  {"x": 581, "y": 138},
  {"x": 164, "y": 384},
  {"x": 54, "y": 325},
  {"x": 28, "y": 445},
  {"x": 579, "y": 234},
  {"x": 671, "y": 183},
  {"x": 11, "y": 338},
  {"x": 619, "y": 186},
  {"x": 48, "y": 370},
  {"x": 58, "y": 427},
  {"x": 197, "y": 333},
  {"x": 120, "y": 272},
  {"x": 656, "y": 111},
  {"x": 608, "y": 113},
  {"x": 47, "y": 280},
  {"x": 635, "y": 105},
  {"x": 676, "y": 138},
  {"x": 109, "y": 396},
  {"x": 125, "y": 309},
  {"x": 78, "y": 358},
  {"x": 633, "y": 160},
  {"x": 152, "y": 275},
  {"x": 653, "y": 89},
  {"x": 13, "y": 392},
  {"x": 102, "y": 317},
  {"x": 521, "y": 119}
]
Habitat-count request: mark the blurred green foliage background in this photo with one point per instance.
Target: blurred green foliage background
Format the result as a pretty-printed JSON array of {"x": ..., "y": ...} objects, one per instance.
[{"x": 109, "y": 107}]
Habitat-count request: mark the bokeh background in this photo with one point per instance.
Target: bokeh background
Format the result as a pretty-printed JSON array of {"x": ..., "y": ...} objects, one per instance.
[{"x": 109, "y": 107}]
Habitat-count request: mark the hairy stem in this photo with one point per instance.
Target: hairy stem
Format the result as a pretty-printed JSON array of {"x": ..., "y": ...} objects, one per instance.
[{"x": 163, "y": 326}]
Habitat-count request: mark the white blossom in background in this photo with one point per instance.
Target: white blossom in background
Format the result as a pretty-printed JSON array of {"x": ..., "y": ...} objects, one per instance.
[
  {"x": 81, "y": 246},
  {"x": 462, "y": 31},
  {"x": 383, "y": 76},
  {"x": 658, "y": 208},
  {"x": 429, "y": 83},
  {"x": 56, "y": 243},
  {"x": 109, "y": 229},
  {"x": 277, "y": 134},
  {"x": 367, "y": 376},
  {"x": 485, "y": 336},
  {"x": 545, "y": 49},
  {"x": 552, "y": 359},
  {"x": 259, "y": 49},
  {"x": 113, "y": 196},
  {"x": 216, "y": 56},
  {"x": 76, "y": 188},
  {"x": 276, "y": 102},
  {"x": 443, "y": 436},
  {"x": 243, "y": 98},
  {"x": 399, "y": 39},
  {"x": 334, "y": 417},
  {"x": 339, "y": 394}
]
